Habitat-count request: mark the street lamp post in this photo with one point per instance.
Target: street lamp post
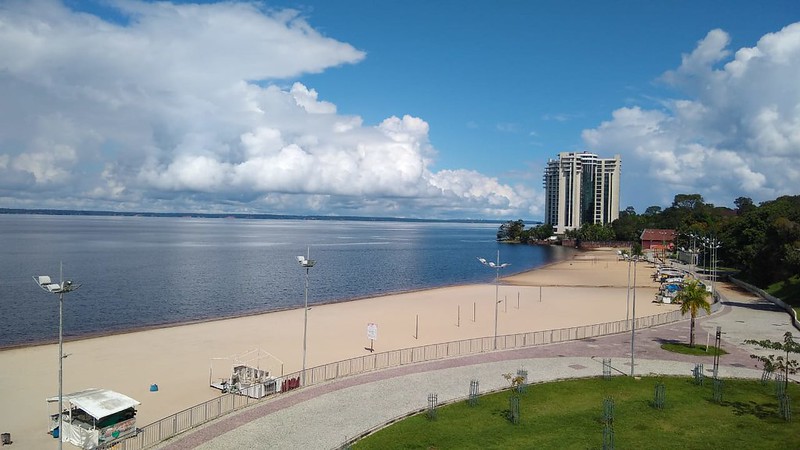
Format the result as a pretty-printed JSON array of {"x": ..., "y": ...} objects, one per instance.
[
  {"x": 691, "y": 250},
  {"x": 628, "y": 298},
  {"x": 497, "y": 266},
  {"x": 633, "y": 321},
  {"x": 712, "y": 244},
  {"x": 716, "y": 245},
  {"x": 704, "y": 245},
  {"x": 307, "y": 263},
  {"x": 60, "y": 288}
]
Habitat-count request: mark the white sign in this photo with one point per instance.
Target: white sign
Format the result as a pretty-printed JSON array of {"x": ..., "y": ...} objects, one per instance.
[{"x": 372, "y": 331}]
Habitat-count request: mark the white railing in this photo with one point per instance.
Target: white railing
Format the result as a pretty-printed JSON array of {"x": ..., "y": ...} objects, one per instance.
[{"x": 168, "y": 427}]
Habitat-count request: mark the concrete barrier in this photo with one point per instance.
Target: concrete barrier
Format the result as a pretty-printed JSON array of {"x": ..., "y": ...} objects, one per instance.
[{"x": 765, "y": 296}]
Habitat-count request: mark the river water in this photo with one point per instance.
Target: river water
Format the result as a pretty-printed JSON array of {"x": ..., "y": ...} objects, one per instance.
[{"x": 138, "y": 272}]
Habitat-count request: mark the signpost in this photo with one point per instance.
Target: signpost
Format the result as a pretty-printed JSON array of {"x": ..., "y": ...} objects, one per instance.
[{"x": 372, "y": 334}]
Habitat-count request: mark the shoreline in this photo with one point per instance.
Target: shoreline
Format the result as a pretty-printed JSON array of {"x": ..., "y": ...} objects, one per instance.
[
  {"x": 96, "y": 335},
  {"x": 179, "y": 358}
]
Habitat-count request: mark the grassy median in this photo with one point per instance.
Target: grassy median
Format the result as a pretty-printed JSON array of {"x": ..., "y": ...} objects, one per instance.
[{"x": 569, "y": 415}]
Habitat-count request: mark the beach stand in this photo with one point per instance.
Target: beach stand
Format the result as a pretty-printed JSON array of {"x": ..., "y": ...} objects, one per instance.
[
  {"x": 246, "y": 374},
  {"x": 94, "y": 417}
]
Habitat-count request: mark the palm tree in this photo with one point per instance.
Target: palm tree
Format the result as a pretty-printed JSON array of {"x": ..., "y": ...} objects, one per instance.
[{"x": 693, "y": 297}]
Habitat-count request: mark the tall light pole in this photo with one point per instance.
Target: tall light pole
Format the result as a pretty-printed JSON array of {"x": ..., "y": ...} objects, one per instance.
[
  {"x": 690, "y": 249},
  {"x": 628, "y": 298},
  {"x": 633, "y": 321},
  {"x": 694, "y": 253},
  {"x": 60, "y": 288},
  {"x": 712, "y": 244},
  {"x": 307, "y": 263},
  {"x": 715, "y": 245},
  {"x": 497, "y": 266}
]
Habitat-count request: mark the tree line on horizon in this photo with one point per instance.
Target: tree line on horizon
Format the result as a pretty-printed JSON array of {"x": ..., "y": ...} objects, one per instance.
[{"x": 761, "y": 241}]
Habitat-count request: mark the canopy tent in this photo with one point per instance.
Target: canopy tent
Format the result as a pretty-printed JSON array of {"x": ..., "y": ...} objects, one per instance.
[
  {"x": 98, "y": 403},
  {"x": 247, "y": 374},
  {"x": 95, "y": 416}
]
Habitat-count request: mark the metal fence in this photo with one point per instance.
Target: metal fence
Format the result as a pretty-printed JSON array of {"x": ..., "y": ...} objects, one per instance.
[{"x": 156, "y": 432}]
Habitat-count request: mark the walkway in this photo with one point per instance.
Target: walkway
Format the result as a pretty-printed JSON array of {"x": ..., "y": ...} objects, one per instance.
[{"x": 324, "y": 416}]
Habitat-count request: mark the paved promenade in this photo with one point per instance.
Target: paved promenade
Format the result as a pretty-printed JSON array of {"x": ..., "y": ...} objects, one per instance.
[{"x": 324, "y": 416}]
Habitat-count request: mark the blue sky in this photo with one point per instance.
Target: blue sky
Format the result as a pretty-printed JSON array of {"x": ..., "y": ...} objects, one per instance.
[{"x": 445, "y": 109}]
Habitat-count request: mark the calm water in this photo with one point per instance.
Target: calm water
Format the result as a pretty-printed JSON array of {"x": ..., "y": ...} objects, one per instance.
[{"x": 143, "y": 271}]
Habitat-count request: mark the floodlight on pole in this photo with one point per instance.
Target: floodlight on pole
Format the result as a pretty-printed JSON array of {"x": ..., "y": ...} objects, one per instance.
[
  {"x": 717, "y": 244},
  {"x": 628, "y": 297},
  {"x": 497, "y": 266},
  {"x": 60, "y": 288},
  {"x": 307, "y": 263},
  {"x": 712, "y": 244},
  {"x": 633, "y": 313},
  {"x": 694, "y": 251}
]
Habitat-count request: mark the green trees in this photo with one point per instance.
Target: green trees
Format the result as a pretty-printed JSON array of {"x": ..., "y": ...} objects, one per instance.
[
  {"x": 781, "y": 362},
  {"x": 693, "y": 297},
  {"x": 541, "y": 232},
  {"x": 744, "y": 205},
  {"x": 688, "y": 201},
  {"x": 514, "y": 231},
  {"x": 628, "y": 227},
  {"x": 511, "y": 230},
  {"x": 592, "y": 232},
  {"x": 652, "y": 210},
  {"x": 763, "y": 241}
]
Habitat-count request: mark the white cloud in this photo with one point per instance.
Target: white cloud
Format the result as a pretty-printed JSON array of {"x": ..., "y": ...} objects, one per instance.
[
  {"x": 179, "y": 107},
  {"x": 47, "y": 165},
  {"x": 307, "y": 99},
  {"x": 560, "y": 117},
  {"x": 735, "y": 132},
  {"x": 507, "y": 127}
]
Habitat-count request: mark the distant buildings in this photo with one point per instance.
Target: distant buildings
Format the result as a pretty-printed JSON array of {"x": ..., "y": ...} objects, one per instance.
[
  {"x": 658, "y": 242},
  {"x": 658, "y": 239},
  {"x": 581, "y": 188}
]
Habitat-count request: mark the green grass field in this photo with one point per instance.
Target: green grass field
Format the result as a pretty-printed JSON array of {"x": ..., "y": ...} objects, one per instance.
[
  {"x": 697, "y": 350},
  {"x": 569, "y": 415},
  {"x": 788, "y": 291}
]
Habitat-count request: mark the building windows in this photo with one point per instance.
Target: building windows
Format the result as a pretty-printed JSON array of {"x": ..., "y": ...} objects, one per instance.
[{"x": 581, "y": 188}]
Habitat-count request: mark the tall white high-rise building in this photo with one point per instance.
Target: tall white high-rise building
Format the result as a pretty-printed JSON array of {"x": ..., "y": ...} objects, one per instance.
[{"x": 581, "y": 188}]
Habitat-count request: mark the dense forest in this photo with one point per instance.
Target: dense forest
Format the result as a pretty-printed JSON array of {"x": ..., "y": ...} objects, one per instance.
[{"x": 761, "y": 241}]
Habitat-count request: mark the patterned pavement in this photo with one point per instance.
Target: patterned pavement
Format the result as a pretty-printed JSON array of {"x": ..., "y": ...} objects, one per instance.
[{"x": 325, "y": 416}]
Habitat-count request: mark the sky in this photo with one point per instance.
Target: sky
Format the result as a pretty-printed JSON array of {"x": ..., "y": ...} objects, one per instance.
[{"x": 413, "y": 108}]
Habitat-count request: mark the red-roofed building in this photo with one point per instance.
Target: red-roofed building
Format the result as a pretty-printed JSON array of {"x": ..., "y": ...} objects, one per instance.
[{"x": 654, "y": 239}]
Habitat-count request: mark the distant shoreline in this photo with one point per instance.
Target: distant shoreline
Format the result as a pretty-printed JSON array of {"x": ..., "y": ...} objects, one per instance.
[{"x": 252, "y": 216}]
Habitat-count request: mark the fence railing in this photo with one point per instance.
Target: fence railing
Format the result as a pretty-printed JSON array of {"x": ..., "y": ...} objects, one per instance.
[{"x": 159, "y": 431}]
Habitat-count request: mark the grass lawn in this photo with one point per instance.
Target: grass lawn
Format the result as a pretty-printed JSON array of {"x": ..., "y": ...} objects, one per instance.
[
  {"x": 787, "y": 290},
  {"x": 698, "y": 350},
  {"x": 569, "y": 415}
]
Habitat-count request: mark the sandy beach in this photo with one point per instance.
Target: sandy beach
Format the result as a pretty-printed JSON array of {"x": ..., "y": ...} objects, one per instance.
[{"x": 589, "y": 288}]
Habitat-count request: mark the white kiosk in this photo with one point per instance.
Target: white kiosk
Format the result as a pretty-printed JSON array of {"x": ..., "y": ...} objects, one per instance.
[{"x": 94, "y": 416}]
